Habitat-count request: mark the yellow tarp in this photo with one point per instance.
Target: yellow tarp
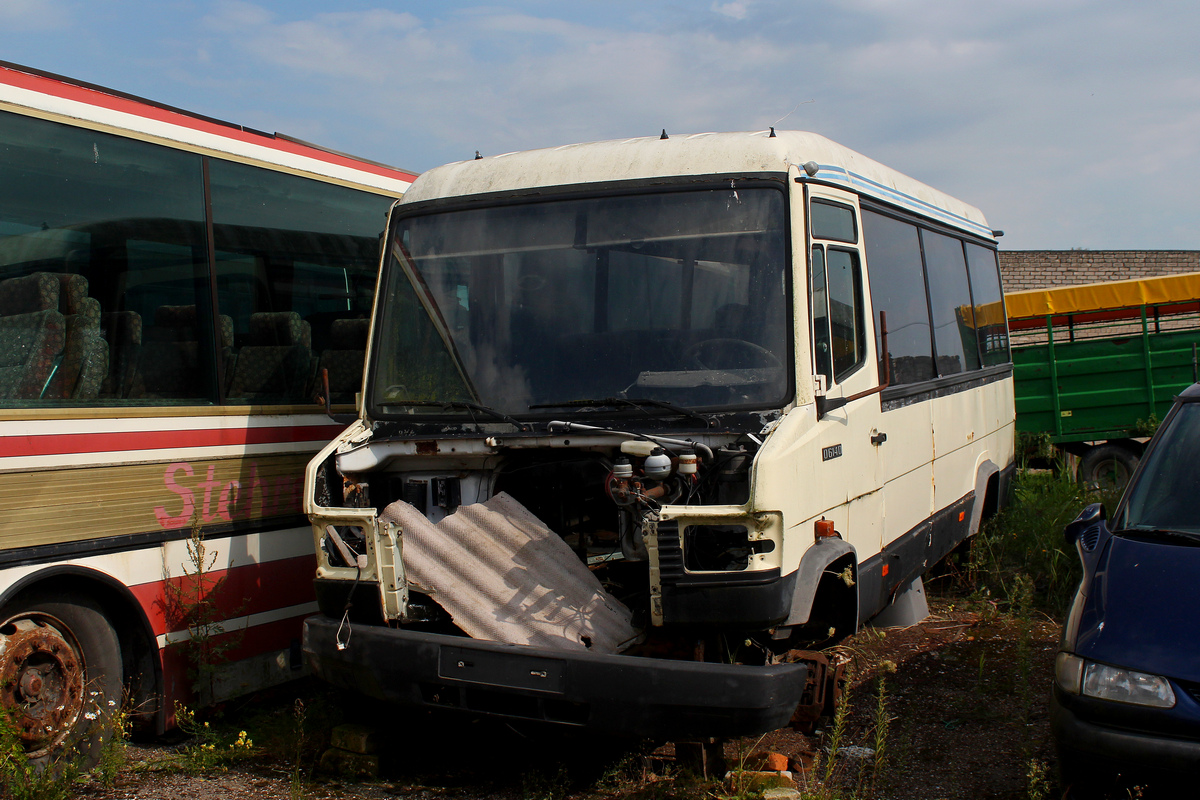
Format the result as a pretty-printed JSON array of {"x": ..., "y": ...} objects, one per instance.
[
  {"x": 982, "y": 316},
  {"x": 1097, "y": 296}
]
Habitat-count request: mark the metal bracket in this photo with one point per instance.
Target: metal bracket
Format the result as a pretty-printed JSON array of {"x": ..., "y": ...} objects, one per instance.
[{"x": 393, "y": 585}]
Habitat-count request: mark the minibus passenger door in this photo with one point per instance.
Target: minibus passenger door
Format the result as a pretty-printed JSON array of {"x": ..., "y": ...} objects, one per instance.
[{"x": 842, "y": 353}]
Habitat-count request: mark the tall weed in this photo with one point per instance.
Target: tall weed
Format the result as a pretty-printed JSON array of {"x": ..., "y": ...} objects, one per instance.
[
  {"x": 193, "y": 602},
  {"x": 1025, "y": 539}
]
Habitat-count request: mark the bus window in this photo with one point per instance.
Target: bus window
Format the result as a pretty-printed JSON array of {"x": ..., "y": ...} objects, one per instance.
[
  {"x": 839, "y": 337},
  {"x": 295, "y": 272},
  {"x": 893, "y": 252},
  {"x": 847, "y": 328},
  {"x": 822, "y": 347},
  {"x": 118, "y": 223},
  {"x": 833, "y": 221},
  {"x": 986, "y": 294},
  {"x": 163, "y": 290},
  {"x": 948, "y": 292}
]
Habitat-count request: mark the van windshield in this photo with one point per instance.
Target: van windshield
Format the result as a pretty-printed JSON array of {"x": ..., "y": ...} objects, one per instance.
[
  {"x": 1164, "y": 495},
  {"x": 675, "y": 296}
]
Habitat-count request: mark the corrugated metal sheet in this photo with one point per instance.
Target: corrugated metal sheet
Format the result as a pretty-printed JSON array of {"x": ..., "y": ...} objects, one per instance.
[{"x": 505, "y": 577}]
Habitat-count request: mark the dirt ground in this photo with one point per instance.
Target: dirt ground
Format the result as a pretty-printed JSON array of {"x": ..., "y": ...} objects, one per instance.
[{"x": 965, "y": 693}]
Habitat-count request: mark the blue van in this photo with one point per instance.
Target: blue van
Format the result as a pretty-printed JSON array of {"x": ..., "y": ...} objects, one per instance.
[{"x": 1126, "y": 698}]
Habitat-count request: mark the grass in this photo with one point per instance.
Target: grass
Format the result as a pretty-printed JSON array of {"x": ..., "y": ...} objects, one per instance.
[
  {"x": 213, "y": 748},
  {"x": 60, "y": 777},
  {"x": 539, "y": 784},
  {"x": 1020, "y": 555}
]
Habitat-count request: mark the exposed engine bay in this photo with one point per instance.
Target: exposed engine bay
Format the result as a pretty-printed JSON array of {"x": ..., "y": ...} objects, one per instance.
[{"x": 602, "y": 493}]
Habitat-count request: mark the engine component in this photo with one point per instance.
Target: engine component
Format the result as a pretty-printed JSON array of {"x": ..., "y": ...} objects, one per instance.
[{"x": 657, "y": 465}]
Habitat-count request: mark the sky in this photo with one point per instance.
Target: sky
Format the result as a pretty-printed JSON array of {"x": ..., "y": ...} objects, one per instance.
[{"x": 1069, "y": 123}]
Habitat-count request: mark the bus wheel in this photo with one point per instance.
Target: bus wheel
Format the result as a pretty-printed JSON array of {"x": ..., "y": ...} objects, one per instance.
[
  {"x": 60, "y": 676},
  {"x": 1107, "y": 467}
]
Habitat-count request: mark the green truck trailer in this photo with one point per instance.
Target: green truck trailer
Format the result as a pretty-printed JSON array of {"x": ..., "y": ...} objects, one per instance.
[{"x": 1096, "y": 366}]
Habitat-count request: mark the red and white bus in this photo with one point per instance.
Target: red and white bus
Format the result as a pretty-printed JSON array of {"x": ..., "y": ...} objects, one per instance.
[{"x": 172, "y": 287}]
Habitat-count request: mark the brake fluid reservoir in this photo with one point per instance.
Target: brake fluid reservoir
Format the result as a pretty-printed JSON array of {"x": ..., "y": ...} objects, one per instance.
[
  {"x": 657, "y": 465},
  {"x": 622, "y": 469}
]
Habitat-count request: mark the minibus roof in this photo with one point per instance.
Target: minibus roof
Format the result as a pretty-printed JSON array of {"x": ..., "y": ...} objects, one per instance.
[{"x": 699, "y": 154}]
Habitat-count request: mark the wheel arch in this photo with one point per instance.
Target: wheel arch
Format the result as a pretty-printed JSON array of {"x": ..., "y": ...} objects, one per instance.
[
  {"x": 813, "y": 565},
  {"x": 142, "y": 663},
  {"x": 987, "y": 494}
]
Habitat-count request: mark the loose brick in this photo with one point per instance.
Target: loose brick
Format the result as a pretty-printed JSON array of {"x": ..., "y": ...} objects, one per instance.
[{"x": 354, "y": 738}]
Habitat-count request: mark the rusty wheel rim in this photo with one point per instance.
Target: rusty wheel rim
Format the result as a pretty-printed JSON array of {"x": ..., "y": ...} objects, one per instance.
[{"x": 41, "y": 680}]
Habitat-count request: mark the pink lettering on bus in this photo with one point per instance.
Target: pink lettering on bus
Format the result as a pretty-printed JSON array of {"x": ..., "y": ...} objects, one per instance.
[
  {"x": 225, "y": 501},
  {"x": 189, "y": 503}
]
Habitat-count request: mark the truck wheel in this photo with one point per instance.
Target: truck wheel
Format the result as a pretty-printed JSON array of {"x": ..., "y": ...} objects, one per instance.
[
  {"x": 60, "y": 675},
  {"x": 1107, "y": 467}
]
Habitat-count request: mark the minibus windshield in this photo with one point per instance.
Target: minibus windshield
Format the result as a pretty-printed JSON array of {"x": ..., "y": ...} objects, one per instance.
[{"x": 673, "y": 296}]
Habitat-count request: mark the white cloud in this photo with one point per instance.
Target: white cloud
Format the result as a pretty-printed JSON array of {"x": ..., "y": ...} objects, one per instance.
[
  {"x": 33, "y": 15},
  {"x": 232, "y": 16},
  {"x": 736, "y": 10},
  {"x": 1041, "y": 114}
]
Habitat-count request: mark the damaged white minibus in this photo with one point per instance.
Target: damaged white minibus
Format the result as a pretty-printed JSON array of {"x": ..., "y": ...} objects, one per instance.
[{"x": 647, "y": 422}]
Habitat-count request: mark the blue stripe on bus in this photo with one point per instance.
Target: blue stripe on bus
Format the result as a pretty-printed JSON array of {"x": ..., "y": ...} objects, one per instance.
[{"x": 854, "y": 180}]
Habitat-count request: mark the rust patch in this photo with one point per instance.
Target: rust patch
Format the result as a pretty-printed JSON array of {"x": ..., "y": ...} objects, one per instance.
[
  {"x": 821, "y": 689},
  {"x": 42, "y": 679}
]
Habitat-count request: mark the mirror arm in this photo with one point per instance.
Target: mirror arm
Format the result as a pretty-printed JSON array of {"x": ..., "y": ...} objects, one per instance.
[{"x": 825, "y": 405}]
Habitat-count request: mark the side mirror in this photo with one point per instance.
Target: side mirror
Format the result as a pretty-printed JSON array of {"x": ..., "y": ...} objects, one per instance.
[
  {"x": 1092, "y": 516},
  {"x": 827, "y": 404}
]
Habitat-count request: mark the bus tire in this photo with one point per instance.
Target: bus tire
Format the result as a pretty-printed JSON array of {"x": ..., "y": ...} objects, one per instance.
[
  {"x": 1108, "y": 466},
  {"x": 60, "y": 676}
]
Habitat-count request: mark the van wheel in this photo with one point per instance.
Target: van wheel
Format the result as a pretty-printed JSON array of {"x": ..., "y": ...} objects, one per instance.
[
  {"x": 60, "y": 675},
  {"x": 1107, "y": 467}
]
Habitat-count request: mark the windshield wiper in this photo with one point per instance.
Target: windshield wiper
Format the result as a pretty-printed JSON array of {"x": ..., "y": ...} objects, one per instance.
[
  {"x": 1149, "y": 531},
  {"x": 462, "y": 405},
  {"x": 639, "y": 403}
]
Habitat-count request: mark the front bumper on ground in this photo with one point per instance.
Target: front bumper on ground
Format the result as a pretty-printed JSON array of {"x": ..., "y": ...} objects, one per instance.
[{"x": 621, "y": 695}]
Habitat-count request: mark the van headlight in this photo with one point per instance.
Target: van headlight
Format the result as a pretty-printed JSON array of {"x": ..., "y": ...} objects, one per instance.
[{"x": 1090, "y": 679}]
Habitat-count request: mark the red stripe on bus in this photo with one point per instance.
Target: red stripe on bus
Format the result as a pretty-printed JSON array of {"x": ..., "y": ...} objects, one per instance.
[
  {"x": 227, "y": 593},
  {"x": 94, "y": 97},
  {"x": 179, "y": 671},
  {"x": 72, "y": 443}
]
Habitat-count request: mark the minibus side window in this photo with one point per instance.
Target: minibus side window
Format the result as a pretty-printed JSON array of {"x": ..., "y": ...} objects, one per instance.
[
  {"x": 893, "y": 252},
  {"x": 833, "y": 221},
  {"x": 822, "y": 347},
  {"x": 846, "y": 324},
  {"x": 990, "y": 320},
  {"x": 949, "y": 294}
]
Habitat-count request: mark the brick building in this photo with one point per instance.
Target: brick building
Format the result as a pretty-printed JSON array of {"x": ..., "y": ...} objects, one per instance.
[{"x": 1038, "y": 269}]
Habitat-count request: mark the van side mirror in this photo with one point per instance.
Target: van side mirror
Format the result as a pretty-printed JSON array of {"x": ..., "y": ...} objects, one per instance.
[{"x": 1093, "y": 515}]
